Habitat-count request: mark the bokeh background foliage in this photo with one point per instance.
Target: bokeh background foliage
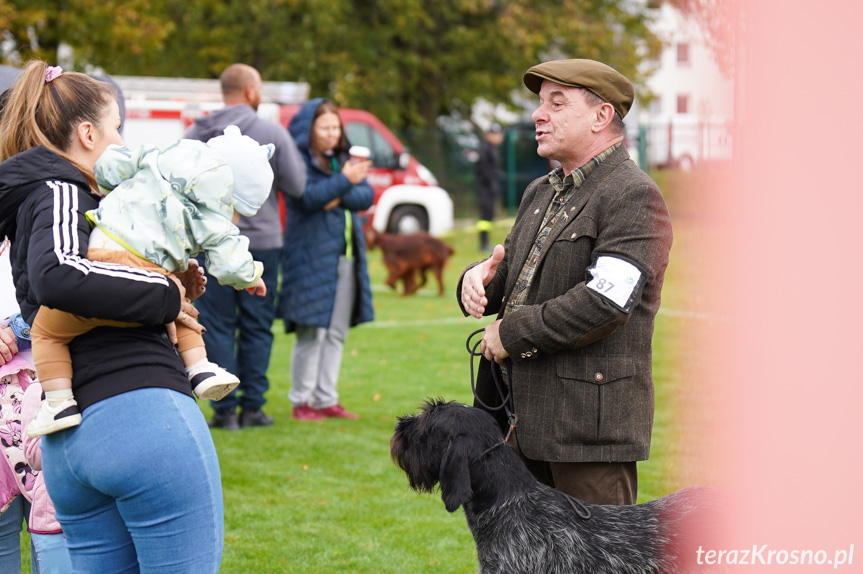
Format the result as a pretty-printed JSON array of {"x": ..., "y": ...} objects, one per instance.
[{"x": 407, "y": 61}]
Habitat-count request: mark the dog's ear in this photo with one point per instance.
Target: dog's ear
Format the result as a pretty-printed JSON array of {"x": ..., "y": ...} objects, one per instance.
[{"x": 455, "y": 475}]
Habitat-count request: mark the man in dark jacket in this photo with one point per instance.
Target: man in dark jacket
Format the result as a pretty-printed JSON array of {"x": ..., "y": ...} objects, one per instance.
[
  {"x": 487, "y": 183},
  {"x": 576, "y": 288},
  {"x": 238, "y": 324}
]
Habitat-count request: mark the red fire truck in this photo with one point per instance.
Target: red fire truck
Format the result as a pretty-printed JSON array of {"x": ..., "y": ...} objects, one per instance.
[{"x": 407, "y": 195}]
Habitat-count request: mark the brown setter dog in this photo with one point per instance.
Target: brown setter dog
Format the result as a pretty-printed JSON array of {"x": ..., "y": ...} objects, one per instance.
[{"x": 405, "y": 255}]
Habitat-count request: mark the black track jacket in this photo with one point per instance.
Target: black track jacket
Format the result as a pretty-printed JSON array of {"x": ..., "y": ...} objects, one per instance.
[{"x": 43, "y": 199}]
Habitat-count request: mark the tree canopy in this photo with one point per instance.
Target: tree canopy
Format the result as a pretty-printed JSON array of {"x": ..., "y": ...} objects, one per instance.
[{"x": 407, "y": 61}]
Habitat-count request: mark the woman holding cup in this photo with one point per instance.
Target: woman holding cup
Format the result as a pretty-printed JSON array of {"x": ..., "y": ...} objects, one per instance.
[{"x": 325, "y": 286}]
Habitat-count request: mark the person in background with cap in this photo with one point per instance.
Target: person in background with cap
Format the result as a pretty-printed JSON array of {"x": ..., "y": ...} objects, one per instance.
[
  {"x": 238, "y": 324},
  {"x": 162, "y": 206},
  {"x": 575, "y": 288},
  {"x": 487, "y": 182}
]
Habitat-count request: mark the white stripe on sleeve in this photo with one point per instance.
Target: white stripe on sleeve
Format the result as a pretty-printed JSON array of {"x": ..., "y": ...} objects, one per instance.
[{"x": 66, "y": 246}]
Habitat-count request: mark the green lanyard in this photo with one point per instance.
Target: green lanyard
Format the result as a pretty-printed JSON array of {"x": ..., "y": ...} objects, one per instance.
[{"x": 348, "y": 219}]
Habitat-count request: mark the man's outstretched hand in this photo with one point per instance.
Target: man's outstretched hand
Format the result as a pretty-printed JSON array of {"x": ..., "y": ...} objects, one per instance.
[{"x": 473, "y": 285}]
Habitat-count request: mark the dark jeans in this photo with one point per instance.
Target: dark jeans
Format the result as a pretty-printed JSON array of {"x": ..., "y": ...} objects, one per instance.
[{"x": 239, "y": 336}]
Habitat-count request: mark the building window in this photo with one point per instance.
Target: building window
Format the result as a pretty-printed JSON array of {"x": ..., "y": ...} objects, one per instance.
[
  {"x": 683, "y": 104},
  {"x": 683, "y": 54}
]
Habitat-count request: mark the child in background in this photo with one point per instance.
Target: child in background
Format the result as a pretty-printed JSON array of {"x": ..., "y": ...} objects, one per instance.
[
  {"x": 17, "y": 479},
  {"x": 49, "y": 544},
  {"x": 162, "y": 206}
]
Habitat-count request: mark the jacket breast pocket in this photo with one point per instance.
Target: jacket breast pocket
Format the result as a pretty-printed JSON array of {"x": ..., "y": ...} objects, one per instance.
[
  {"x": 570, "y": 253},
  {"x": 585, "y": 413}
]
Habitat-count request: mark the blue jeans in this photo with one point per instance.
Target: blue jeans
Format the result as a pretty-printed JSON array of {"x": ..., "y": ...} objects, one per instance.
[
  {"x": 11, "y": 523},
  {"x": 239, "y": 336},
  {"x": 51, "y": 553},
  {"x": 136, "y": 486}
]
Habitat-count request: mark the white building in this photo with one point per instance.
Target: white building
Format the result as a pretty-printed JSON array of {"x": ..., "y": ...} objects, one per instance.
[
  {"x": 684, "y": 116},
  {"x": 689, "y": 119}
]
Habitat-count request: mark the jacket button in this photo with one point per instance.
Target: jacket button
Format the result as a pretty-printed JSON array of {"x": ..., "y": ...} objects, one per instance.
[
  {"x": 25, "y": 331},
  {"x": 528, "y": 354},
  {"x": 574, "y": 235},
  {"x": 598, "y": 377},
  {"x": 535, "y": 351},
  {"x": 523, "y": 356}
]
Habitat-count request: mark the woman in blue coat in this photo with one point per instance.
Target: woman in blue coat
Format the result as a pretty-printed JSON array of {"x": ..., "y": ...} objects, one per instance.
[{"x": 325, "y": 286}]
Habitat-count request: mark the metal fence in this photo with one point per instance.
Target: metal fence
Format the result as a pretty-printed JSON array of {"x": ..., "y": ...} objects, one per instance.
[
  {"x": 451, "y": 155},
  {"x": 683, "y": 143}
]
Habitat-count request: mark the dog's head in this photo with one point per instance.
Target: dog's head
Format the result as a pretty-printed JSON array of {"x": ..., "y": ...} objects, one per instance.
[
  {"x": 372, "y": 238},
  {"x": 439, "y": 444}
]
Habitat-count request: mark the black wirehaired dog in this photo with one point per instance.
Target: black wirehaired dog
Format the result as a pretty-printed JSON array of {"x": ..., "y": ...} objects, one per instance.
[{"x": 524, "y": 527}]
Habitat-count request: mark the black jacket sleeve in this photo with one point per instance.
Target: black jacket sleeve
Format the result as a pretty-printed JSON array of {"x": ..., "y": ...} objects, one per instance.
[{"x": 62, "y": 278}]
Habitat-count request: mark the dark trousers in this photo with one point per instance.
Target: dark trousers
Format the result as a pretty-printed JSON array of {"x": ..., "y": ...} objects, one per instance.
[
  {"x": 239, "y": 336},
  {"x": 594, "y": 482}
]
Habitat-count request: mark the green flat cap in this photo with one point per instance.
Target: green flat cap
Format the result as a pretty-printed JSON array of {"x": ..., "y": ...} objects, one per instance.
[{"x": 602, "y": 80}]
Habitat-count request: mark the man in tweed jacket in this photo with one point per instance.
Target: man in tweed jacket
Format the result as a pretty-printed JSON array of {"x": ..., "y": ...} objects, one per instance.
[{"x": 576, "y": 287}]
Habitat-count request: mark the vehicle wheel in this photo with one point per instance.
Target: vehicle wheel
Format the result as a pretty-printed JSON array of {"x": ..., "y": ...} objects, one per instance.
[
  {"x": 686, "y": 162},
  {"x": 408, "y": 219}
]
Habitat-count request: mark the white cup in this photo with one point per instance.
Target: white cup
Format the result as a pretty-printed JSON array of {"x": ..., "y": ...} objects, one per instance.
[{"x": 359, "y": 153}]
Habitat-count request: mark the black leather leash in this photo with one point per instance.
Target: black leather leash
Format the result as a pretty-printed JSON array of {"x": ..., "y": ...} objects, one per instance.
[
  {"x": 489, "y": 449},
  {"x": 505, "y": 403},
  {"x": 578, "y": 506},
  {"x": 505, "y": 395}
]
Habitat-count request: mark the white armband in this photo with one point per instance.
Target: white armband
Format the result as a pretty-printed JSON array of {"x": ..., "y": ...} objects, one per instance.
[{"x": 617, "y": 279}]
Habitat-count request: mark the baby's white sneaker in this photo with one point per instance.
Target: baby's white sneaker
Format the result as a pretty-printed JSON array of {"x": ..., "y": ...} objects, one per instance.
[
  {"x": 210, "y": 381},
  {"x": 54, "y": 417}
]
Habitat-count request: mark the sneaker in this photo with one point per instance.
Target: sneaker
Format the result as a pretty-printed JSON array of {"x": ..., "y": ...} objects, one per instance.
[
  {"x": 306, "y": 413},
  {"x": 50, "y": 419},
  {"x": 255, "y": 419},
  {"x": 211, "y": 381},
  {"x": 226, "y": 420},
  {"x": 337, "y": 412}
]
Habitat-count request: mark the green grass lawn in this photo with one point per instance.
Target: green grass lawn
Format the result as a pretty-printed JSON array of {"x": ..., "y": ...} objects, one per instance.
[{"x": 319, "y": 498}]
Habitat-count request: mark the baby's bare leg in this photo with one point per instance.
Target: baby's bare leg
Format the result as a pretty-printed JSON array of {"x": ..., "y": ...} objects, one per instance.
[{"x": 193, "y": 355}]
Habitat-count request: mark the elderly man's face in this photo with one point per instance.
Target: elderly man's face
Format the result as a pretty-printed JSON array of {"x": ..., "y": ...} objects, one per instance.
[{"x": 563, "y": 123}]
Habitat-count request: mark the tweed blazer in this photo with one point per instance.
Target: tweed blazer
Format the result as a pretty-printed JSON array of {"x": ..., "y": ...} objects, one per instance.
[{"x": 581, "y": 367}]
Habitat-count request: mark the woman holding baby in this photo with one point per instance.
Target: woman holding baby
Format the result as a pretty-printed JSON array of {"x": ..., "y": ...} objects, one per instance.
[{"x": 136, "y": 485}]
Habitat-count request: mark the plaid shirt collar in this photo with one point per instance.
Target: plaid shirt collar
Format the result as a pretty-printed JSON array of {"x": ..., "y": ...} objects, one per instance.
[{"x": 576, "y": 177}]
